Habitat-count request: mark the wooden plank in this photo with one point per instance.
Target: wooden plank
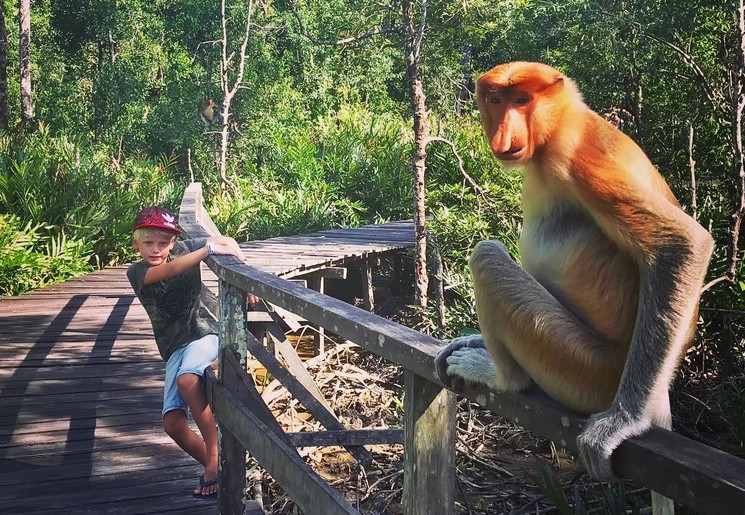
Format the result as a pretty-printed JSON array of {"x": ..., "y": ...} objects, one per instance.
[
  {"x": 80, "y": 417},
  {"x": 429, "y": 434},
  {"x": 40, "y": 442},
  {"x": 704, "y": 478},
  {"x": 319, "y": 410},
  {"x": 80, "y": 482},
  {"x": 67, "y": 361},
  {"x": 80, "y": 371},
  {"x": 65, "y": 386},
  {"x": 347, "y": 437},
  {"x": 118, "y": 421},
  {"x": 232, "y": 453},
  {"x": 128, "y": 491},
  {"x": 145, "y": 498},
  {"x": 335, "y": 272},
  {"x": 93, "y": 443},
  {"x": 76, "y": 408},
  {"x": 308, "y": 490},
  {"x": 295, "y": 366},
  {"x": 147, "y": 453},
  {"x": 87, "y": 397}
]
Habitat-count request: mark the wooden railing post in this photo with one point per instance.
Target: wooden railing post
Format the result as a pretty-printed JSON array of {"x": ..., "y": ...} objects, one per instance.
[
  {"x": 232, "y": 464},
  {"x": 429, "y": 447}
]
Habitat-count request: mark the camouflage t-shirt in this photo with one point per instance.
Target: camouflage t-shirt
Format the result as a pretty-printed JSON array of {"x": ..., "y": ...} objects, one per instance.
[{"x": 177, "y": 307}]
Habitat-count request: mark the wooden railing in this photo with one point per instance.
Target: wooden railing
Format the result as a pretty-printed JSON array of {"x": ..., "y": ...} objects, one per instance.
[{"x": 694, "y": 474}]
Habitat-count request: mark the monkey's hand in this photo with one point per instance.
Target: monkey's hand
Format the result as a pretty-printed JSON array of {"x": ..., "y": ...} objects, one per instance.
[
  {"x": 604, "y": 432},
  {"x": 465, "y": 360}
]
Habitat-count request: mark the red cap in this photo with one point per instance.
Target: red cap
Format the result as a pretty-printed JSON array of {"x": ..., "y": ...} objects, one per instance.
[{"x": 156, "y": 217}]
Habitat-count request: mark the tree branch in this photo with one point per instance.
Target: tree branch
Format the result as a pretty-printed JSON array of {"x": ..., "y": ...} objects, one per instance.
[
  {"x": 476, "y": 188},
  {"x": 375, "y": 31},
  {"x": 715, "y": 97}
]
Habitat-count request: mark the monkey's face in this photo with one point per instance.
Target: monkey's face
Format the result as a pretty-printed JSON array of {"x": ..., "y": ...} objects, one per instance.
[
  {"x": 504, "y": 115},
  {"x": 518, "y": 106}
]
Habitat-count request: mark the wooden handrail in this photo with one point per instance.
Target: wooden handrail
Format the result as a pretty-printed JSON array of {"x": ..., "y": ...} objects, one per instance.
[{"x": 690, "y": 472}]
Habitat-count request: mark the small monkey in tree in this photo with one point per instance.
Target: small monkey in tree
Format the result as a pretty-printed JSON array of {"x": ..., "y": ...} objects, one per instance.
[
  {"x": 607, "y": 299},
  {"x": 208, "y": 112}
]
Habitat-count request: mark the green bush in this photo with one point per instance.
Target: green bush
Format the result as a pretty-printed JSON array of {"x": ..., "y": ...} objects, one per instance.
[
  {"x": 76, "y": 192},
  {"x": 33, "y": 256}
]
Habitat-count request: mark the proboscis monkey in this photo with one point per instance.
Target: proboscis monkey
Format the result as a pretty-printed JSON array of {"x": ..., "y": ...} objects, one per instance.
[
  {"x": 208, "y": 112},
  {"x": 607, "y": 299}
]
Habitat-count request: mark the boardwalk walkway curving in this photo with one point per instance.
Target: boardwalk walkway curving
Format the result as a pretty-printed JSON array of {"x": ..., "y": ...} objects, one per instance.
[{"x": 80, "y": 386}]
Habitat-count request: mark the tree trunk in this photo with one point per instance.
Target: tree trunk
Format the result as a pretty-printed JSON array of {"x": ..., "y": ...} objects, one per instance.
[
  {"x": 4, "y": 117},
  {"x": 421, "y": 131},
  {"x": 634, "y": 100},
  {"x": 24, "y": 51},
  {"x": 738, "y": 106},
  {"x": 466, "y": 88},
  {"x": 228, "y": 90}
]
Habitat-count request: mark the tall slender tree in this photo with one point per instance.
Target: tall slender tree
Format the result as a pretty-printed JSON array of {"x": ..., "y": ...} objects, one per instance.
[
  {"x": 414, "y": 34},
  {"x": 24, "y": 51},
  {"x": 229, "y": 90},
  {"x": 4, "y": 121}
]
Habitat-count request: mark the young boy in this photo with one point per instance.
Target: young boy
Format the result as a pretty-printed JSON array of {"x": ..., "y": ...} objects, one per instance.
[{"x": 171, "y": 291}]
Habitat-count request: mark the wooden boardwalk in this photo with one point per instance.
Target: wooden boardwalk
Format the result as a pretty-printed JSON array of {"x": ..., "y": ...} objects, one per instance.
[{"x": 81, "y": 386}]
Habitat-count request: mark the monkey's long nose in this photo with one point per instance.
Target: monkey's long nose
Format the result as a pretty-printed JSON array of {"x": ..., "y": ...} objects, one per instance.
[{"x": 504, "y": 148}]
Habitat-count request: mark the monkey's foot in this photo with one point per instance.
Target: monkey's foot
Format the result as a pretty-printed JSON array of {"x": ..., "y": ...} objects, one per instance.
[
  {"x": 454, "y": 365},
  {"x": 604, "y": 432}
]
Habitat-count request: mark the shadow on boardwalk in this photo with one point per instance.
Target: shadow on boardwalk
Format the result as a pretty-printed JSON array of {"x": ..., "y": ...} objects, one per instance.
[{"x": 80, "y": 401}]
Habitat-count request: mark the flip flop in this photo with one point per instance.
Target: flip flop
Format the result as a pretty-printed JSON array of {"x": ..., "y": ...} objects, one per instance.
[{"x": 205, "y": 484}]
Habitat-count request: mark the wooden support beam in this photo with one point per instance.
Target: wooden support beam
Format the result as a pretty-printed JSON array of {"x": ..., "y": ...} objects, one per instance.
[
  {"x": 334, "y": 272},
  {"x": 318, "y": 283},
  {"x": 232, "y": 462},
  {"x": 306, "y": 488},
  {"x": 295, "y": 365},
  {"x": 368, "y": 292},
  {"x": 347, "y": 437},
  {"x": 429, "y": 447},
  {"x": 255, "y": 317},
  {"x": 291, "y": 320},
  {"x": 319, "y": 409}
]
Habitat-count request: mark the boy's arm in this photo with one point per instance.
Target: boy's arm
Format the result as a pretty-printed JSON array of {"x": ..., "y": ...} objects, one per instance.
[{"x": 218, "y": 245}]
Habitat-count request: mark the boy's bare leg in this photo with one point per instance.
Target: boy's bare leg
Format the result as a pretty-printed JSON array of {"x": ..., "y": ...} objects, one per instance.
[
  {"x": 177, "y": 427},
  {"x": 191, "y": 390}
]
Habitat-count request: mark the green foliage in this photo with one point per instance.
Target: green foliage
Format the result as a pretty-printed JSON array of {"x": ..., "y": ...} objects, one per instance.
[
  {"x": 68, "y": 186},
  {"x": 342, "y": 171},
  {"x": 365, "y": 157},
  {"x": 33, "y": 255}
]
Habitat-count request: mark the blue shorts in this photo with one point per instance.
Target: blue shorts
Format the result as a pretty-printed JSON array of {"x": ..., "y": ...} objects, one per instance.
[{"x": 189, "y": 359}]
